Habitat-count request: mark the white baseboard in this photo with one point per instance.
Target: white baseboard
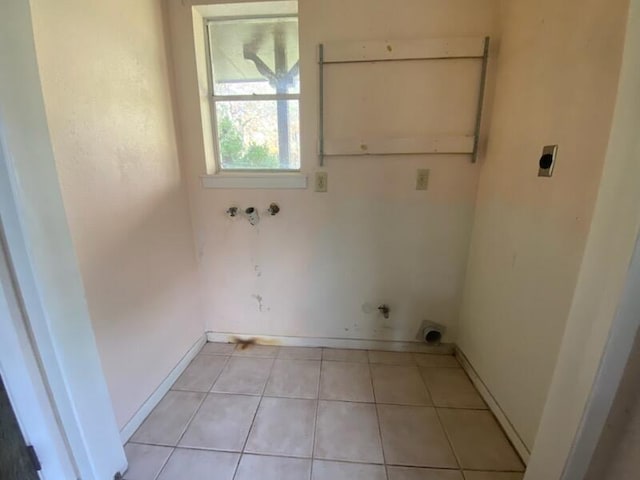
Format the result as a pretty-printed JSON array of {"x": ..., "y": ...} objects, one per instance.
[
  {"x": 132, "y": 425},
  {"x": 494, "y": 406},
  {"x": 361, "y": 344}
]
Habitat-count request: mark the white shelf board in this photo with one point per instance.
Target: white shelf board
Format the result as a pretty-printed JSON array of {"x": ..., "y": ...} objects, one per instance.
[
  {"x": 452, "y": 144},
  {"x": 371, "y": 51}
]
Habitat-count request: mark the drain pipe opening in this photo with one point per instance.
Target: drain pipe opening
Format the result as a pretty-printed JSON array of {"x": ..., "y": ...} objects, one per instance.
[{"x": 432, "y": 337}]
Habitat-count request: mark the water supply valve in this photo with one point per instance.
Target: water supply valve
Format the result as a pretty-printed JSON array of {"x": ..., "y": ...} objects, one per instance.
[
  {"x": 252, "y": 215},
  {"x": 273, "y": 209}
]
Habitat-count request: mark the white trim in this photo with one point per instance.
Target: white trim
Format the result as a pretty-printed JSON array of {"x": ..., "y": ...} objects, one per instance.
[
  {"x": 255, "y": 97},
  {"x": 214, "y": 99},
  {"x": 150, "y": 403},
  {"x": 380, "y": 50},
  {"x": 234, "y": 8},
  {"x": 494, "y": 406},
  {"x": 273, "y": 180},
  {"x": 624, "y": 329},
  {"x": 355, "y": 343},
  {"x": 25, "y": 386}
]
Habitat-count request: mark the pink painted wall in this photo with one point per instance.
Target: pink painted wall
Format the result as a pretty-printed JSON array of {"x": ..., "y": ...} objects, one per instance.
[
  {"x": 556, "y": 83},
  {"x": 372, "y": 238},
  {"x": 106, "y": 90}
]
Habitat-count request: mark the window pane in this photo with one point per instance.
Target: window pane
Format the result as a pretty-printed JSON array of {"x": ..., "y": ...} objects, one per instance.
[
  {"x": 254, "y": 56},
  {"x": 258, "y": 135}
]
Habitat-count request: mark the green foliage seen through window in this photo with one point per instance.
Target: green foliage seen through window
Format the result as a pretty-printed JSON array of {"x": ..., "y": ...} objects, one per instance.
[{"x": 234, "y": 154}]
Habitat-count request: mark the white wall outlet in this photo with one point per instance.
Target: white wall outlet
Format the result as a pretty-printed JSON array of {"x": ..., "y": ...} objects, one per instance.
[
  {"x": 422, "y": 179},
  {"x": 321, "y": 181}
]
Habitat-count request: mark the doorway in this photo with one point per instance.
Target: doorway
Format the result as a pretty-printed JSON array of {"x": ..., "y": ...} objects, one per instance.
[{"x": 17, "y": 459}]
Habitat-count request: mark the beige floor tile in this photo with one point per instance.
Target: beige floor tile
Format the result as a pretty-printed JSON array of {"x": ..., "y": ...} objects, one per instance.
[
  {"x": 212, "y": 348},
  {"x": 493, "y": 476},
  {"x": 346, "y": 381},
  {"x": 300, "y": 353},
  {"x": 294, "y": 379},
  {"x": 324, "y": 470},
  {"x": 168, "y": 420},
  {"x": 450, "y": 387},
  {"x": 412, "y": 473},
  {"x": 348, "y": 431},
  {"x": 222, "y": 422},
  {"x": 199, "y": 465},
  {"x": 243, "y": 375},
  {"x": 283, "y": 426},
  {"x": 201, "y": 373},
  {"x": 348, "y": 444},
  {"x": 145, "y": 461},
  {"x": 478, "y": 440},
  {"x": 399, "y": 384},
  {"x": 254, "y": 467},
  {"x": 391, "y": 358},
  {"x": 345, "y": 355},
  {"x": 412, "y": 436},
  {"x": 248, "y": 350},
  {"x": 430, "y": 360}
]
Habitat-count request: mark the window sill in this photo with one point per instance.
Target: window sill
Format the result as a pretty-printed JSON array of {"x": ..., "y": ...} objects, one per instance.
[{"x": 255, "y": 180}]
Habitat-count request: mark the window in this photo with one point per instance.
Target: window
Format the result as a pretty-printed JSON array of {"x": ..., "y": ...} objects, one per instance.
[{"x": 254, "y": 87}]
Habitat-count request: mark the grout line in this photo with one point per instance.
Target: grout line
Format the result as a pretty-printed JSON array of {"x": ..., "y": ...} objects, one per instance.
[
  {"x": 315, "y": 423},
  {"x": 226, "y": 362},
  {"x": 206, "y": 394},
  {"x": 366, "y": 354},
  {"x": 264, "y": 357},
  {"x": 255, "y": 415},
  {"x": 447, "y": 407},
  {"x": 232, "y": 358},
  {"x": 321, "y": 361},
  {"x": 354, "y": 462},
  {"x": 193, "y": 415},
  {"x": 493, "y": 471},
  {"x": 446, "y": 434},
  {"x": 375, "y": 406},
  {"x": 343, "y": 361},
  {"x": 157, "y": 475}
]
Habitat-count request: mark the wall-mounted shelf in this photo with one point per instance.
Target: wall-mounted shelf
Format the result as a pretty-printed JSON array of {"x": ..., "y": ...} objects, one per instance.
[
  {"x": 399, "y": 146},
  {"x": 407, "y": 50}
]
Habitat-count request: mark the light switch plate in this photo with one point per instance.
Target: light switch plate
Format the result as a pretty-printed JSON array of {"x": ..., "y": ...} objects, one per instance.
[
  {"x": 422, "y": 179},
  {"x": 547, "y": 160},
  {"x": 321, "y": 182}
]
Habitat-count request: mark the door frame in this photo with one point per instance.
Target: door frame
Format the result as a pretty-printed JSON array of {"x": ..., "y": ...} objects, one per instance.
[{"x": 28, "y": 393}]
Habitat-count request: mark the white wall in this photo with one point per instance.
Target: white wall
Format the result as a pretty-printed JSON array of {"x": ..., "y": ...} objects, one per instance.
[
  {"x": 107, "y": 96},
  {"x": 604, "y": 310},
  {"x": 556, "y": 84},
  {"x": 47, "y": 277},
  {"x": 372, "y": 238}
]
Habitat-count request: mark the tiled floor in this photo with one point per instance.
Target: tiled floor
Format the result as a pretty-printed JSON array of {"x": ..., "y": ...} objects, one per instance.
[{"x": 288, "y": 413}]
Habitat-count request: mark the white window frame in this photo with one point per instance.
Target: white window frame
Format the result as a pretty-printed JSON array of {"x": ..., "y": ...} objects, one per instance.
[{"x": 244, "y": 178}]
